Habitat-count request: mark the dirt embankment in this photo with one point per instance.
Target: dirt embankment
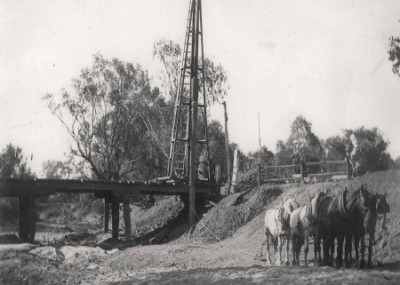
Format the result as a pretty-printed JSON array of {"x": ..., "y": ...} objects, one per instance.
[{"x": 233, "y": 212}]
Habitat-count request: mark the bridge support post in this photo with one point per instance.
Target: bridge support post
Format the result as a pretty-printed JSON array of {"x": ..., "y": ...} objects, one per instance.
[
  {"x": 106, "y": 214},
  {"x": 27, "y": 218},
  {"x": 127, "y": 218},
  {"x": 115, "y": 217}
]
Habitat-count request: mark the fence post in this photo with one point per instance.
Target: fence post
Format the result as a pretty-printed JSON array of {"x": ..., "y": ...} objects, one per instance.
[
  {"x": 302, "y": 171},
  {"x": 235, "y": 171},
  {"x": 348, "y": 168},
  {"x": 258, "y": 174}
]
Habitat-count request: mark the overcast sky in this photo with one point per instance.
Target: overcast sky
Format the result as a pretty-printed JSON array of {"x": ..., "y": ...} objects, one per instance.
[{"x": 326, "y": 60}]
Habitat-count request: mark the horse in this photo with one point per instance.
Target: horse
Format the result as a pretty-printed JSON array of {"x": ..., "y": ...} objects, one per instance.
[
  {"x": 276, "y": 228},
  {"x": 367, "y": 226},
  {"x": 339, "y": 215},
  {"x": 325, "y": 232},
  {"x": 304, "y": 222}
]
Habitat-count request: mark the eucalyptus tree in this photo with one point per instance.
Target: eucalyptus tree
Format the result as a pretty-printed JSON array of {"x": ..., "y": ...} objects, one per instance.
[
  {"x": 302, "y": 141},
  {"x": 13, "y": 163},
  {"x": 369, "y": 150},
  {"x": 394, "y": 54},
  {"x": 170, "y": 56},
  {"x": 109, "y": 113}
]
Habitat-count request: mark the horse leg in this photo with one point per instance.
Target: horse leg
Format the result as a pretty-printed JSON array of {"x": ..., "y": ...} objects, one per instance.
[
  {"x": 278, "y": 251},
  {"x": 332, "y": 249},
  {"x": 287, "y": 250},
  {"x": 329, "y": 247},
  {"x": 326, "y": 246},
  {"x": 299, "y": 244},
  {"x": 267, "y": 252},
  {"x": 356, "y": 247},
  {"x": 370, "y": 240},
  {"x": 294, "y": 246},
  {"x": 351, "y": 251},
  {"x": 339, "y": 251},
  {"x": 280, "y": 246},
  {"x": 317, "y": 250},
  {"x": 348, "y": 248},
  {"x": 305, "y": 247},
  {"x": 362, "y": 263}
]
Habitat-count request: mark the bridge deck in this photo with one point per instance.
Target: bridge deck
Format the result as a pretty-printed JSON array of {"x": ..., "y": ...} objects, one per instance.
[{"x": 20, "y": 187}]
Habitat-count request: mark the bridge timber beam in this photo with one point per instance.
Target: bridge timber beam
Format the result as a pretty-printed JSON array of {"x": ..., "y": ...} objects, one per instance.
[{"x": 101, "y": 188}]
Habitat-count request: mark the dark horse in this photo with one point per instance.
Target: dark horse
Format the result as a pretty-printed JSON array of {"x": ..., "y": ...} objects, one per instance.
[
  {"x": 373, "y": 205},
  {"x": 338, "y": 216}
]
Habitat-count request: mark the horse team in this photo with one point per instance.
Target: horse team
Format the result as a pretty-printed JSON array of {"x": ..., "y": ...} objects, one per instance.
[{"x": 345, "y": 219}]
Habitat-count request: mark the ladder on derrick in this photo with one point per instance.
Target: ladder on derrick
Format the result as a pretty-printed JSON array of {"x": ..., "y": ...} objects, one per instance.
[{"x": 191, "y": 89}]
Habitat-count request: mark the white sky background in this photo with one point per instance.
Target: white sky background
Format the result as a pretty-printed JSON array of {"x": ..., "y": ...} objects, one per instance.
[{"x": 326, "y": 60}]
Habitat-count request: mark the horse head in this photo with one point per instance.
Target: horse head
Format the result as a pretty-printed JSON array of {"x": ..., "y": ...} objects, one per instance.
[
  {"x": 314, "y": 203},
  {"x": 382, "y": 207},
  {"x": 367, "y": 200},
  {"x": 372, "y": 205},
  {"x": 290, "y": 205}
]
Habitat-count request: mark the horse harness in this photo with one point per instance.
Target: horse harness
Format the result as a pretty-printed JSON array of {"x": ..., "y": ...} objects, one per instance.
[
  {"x": 341, "y": 203},
  {"x": 309, "y": 216},
  {"x": 281, "y": 219}
]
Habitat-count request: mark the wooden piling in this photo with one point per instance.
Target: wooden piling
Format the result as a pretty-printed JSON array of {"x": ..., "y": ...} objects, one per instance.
[
  {"x": 106, "y": 214},
  {"x": 127, "y": 218},
  {"x": 115, "y": 217},
  {"x": 27, "y": 218}
]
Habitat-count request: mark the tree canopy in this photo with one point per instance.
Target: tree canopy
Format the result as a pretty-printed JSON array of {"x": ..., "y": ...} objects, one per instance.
[
  {"x": 302, "y": 141},
  {"x": 335, "y": 148},
  {"x": 13, "y": 164},
  {"x": 370, "y": 152},
  {"x": 119, "y": 124},
  {"x": 169, "y": 54},
  {"x": 56, "y": 169},
  {"x": 110, "y": 114},
  {"x": 394, "y": 54}
]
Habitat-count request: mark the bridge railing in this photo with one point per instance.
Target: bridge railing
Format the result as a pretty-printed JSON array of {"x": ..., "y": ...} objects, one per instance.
[{"x": 308, "y": 171}]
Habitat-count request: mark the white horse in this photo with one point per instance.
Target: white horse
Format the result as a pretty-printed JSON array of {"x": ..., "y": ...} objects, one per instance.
[
  {"x": 304, "y": 222},
  {"x": 276, "y": 228}
]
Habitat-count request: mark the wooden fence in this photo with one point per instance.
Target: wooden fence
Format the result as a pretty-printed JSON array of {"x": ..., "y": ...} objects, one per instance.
[{"x": 304, "y": 172}]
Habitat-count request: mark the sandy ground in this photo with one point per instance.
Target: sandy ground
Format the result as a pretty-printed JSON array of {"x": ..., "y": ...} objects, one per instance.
[{"x": 228, "y": 262}]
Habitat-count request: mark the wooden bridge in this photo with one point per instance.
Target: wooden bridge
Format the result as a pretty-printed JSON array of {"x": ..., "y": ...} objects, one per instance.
[
  {"x": 113, "y": 192},
  {"x": 189, "y": 139}
]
